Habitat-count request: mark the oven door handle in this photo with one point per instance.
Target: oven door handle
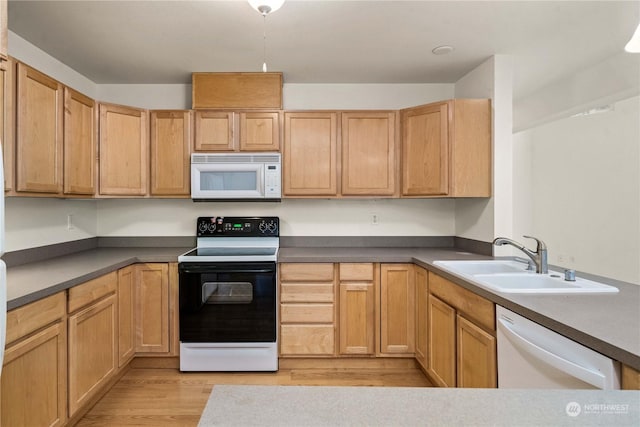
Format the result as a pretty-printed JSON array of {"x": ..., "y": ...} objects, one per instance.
[{"x": 209, "y": 269}]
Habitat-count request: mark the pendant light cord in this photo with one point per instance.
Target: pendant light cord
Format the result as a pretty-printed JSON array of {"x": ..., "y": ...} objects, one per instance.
[{"x": 264, "y": 42}]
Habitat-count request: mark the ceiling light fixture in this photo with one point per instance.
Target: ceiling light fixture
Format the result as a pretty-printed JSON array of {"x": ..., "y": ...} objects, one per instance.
[
  {"x": 442, "y": 50},
  {"x": 265, "y": 7},
  {"x": 634, "y": 44}
]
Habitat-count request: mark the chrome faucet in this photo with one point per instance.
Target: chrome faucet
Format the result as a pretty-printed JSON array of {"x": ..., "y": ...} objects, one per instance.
[{"x": 539, "y": 257}]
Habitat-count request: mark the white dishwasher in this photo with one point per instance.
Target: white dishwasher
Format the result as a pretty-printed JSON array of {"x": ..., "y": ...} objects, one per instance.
[{"x": 532, "y": 356}]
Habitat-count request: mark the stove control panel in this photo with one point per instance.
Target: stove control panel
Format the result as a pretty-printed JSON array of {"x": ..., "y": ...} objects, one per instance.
[{"x": 238, "y": 226}]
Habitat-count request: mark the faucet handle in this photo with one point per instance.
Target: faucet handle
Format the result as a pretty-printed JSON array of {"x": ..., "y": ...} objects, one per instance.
[{"x": 540, "y": 244}]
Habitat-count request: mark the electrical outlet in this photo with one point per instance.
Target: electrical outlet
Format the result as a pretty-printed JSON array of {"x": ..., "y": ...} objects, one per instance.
[
  {"x": 70, "y": 225},
  {"x": 375, "y": 219}
]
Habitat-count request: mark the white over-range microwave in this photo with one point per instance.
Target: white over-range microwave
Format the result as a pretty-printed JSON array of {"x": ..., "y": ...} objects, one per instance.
[{"x": 236, "y": 177}]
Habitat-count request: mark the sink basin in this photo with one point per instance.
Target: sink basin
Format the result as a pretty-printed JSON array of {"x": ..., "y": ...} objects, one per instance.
[
  {"x": 532, "y": 283},
  {"x": 510, "y": 276},
  {"x": 483, "y": 267}
]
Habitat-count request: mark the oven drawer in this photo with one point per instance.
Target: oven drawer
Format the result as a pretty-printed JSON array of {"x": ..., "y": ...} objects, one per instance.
[
  {"x": 306, "y": 292},
  {"x": 307, "y": 340},
  {"x": 306, "y": 313}
]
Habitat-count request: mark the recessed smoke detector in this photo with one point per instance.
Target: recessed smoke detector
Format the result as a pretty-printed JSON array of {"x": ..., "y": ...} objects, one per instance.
[{"x": 442, "y": 50}]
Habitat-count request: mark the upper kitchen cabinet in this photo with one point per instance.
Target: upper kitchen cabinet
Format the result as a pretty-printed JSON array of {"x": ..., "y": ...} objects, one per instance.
[
  {"x": 124, "y": 151},
  {"x": 79, "y": 143},
  {"x": 214, "y": 131},
  {"x": 39, "y": 132},
  {"x": 236, "y": 90},
  {"x": 237, "y": 131},
  {"x": 170, "y": 151},
  {"x": 7, "y": 119},
  {"x": 259, "y": 131},
  {"x": 3, "y": 28},
  {"x": 446, "y": 149},
  {"x": 369, "y": 157},
  {"x": 310, "y": 161}
]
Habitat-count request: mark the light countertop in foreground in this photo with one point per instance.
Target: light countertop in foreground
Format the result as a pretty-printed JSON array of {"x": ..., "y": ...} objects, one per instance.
[{"x": 231, "y": 405}]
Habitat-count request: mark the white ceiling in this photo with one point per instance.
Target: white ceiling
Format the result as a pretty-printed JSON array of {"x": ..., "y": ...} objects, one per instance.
[{"x": 326, "y": 41}]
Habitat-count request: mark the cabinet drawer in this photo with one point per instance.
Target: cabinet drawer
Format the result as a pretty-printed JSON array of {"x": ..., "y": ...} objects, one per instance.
[
  {"x": 306, "y": 292},
  {"x": 360, "y": 271},
  {"x": 481, "y": 310},
  {"x": 92, "y": 290},
  {"x": 306, "y": 271},
  {"x": 306, "y": 340},
  {"x": 31, "y": 317},
  {"x": 306, "y": 313}
]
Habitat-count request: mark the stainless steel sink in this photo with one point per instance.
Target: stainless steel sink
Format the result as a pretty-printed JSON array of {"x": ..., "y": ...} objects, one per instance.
[{"x": 511, "y": 277}]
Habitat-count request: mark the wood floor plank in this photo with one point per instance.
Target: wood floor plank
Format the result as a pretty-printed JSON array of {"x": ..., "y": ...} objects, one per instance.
[{"x": 168, "y": 397}]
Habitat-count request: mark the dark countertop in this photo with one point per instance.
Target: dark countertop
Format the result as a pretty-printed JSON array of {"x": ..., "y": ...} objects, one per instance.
[
  {"x": 609, "y": 324},
  {"x": 30, "y": 282}
]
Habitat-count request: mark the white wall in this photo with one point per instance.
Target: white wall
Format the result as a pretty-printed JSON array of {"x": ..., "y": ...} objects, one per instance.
[
  {"x": 483, "y": 219},
  {"x": 578, "y": 188},
  {"x": 32, "y": 222},
  {"x": 119, "y": 217}
]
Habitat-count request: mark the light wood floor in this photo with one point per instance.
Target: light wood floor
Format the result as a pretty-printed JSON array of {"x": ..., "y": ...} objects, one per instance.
[{"x": 167, "y": 397}]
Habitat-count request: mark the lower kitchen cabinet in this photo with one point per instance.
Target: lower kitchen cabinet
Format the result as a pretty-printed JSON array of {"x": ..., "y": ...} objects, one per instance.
[
  {"x": 630, "y": 378},
  {"x": 34, "y": 374},
  {"x": 152, "y": 308},
  {"x": 422, "y": 293},
  {"x": 357, "y": 309},
  {"x": 126, "y": 314},
  {"x": 92, "y": 339},
  {"x": 461, "y": 336},
  {"x": 441, "y": 342},
  {"x": 307, "y": 310},
  {"x": 397, "y": 309},
  {"x": 476, "y": 356}
]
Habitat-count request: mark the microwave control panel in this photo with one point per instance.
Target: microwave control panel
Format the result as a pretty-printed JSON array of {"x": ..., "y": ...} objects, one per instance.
[
  {"x": 235, "y": 226},
  {"x": 272, "y": 185}
]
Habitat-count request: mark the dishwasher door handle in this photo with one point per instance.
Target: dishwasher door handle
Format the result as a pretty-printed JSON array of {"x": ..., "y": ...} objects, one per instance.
[{"x": 587, "y": 375}]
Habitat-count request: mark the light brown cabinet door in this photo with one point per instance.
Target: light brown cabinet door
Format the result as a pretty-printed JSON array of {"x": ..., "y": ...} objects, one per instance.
[
  {"x": 310, "y": 154},
  {"x": 421, "y": 316},
  {"x": 259, "y": 131},
  {"x": 34, "y": 380},
  {"x": 79, "y": 143},
  {"x": 126, "y": 314},
  {"x": 630, "y": 378},
  {"x": 476, "y": 356},
  {"x": 397, "y": 309},
  {"x": 152, "y": 308},
  {"x": 7, "y": 119},
  {"x": 92, "y": 351},
  {"x": 3, "y": 28},
  {"x": 425, "y": 150},
  {"x": 124, "y": 151},
  {"x": 170, "y": 151},
  {"x": 357, "y": 318},
  {"x": 214, "y": 131},
  {"x": 441, "y": 345},
  {"x": 369, "y": 166},
  {"x": 39, "y": 132}
]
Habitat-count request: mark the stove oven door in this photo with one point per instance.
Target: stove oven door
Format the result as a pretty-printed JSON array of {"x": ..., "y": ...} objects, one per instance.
[{"x": 227, "y": 302}]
